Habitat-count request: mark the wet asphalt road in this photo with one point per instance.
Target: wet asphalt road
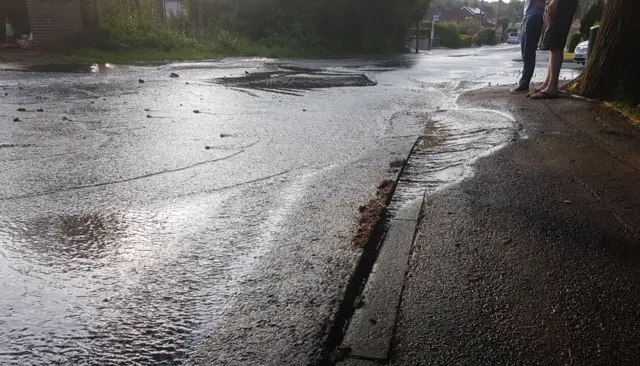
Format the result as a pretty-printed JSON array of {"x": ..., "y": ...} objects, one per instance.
[
  {"x": 535, "y": 260},
  {"x": 146, "y": 219}
]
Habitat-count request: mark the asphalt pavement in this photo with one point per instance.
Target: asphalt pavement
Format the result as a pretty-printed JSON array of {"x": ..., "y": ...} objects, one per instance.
[
  {"x": 208, "y": 217},
  {"x": 531, "y": 261}
]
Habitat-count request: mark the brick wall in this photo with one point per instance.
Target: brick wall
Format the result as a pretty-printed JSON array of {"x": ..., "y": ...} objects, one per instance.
[
  {"x": 16, "y": 12},
  {"x": 54, "y": 22}
]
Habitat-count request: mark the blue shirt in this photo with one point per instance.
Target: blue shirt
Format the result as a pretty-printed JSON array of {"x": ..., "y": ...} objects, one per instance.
[{"x": 533, "y": 7}]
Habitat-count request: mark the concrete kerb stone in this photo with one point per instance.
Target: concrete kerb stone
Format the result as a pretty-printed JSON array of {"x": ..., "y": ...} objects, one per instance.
[
  {"x": 371, "y": 329},
  {"x": 357, "y": 362},
  {"x": 411, "y": 212}
]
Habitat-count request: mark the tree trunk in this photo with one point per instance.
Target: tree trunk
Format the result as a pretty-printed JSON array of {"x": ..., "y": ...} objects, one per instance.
[
  {"x": 200, "y": 21},
  {"x": 138, "y": 8},
  {"x": 161, "y": 11},
  {"x": 418, "y": 35},
  {"x": 611, "y": 71}
]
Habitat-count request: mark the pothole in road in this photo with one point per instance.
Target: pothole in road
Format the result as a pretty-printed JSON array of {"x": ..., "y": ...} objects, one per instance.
[{"x": 296, "y": 79}]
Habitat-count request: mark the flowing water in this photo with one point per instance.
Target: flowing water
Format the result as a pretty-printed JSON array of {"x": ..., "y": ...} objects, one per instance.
[{"x": 134, "y": 216}]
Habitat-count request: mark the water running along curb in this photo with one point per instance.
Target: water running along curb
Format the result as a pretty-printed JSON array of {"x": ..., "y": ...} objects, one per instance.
[
  {"x": 385, "y": 228},
  {"x": 441, "y": 157}
]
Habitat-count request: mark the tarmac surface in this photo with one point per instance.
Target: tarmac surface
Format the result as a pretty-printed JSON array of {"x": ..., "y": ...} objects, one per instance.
[
  {"x": 208, "y": 218},
  {"x": 534, "y": 260}
]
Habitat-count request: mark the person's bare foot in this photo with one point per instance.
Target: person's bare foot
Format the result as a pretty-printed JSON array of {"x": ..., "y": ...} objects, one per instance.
[
  {"x": 550, "y": 90},
  {"x": 545, "y": 94},
  {"x": 537, "y": 90},
  {"x": 541, "y": 88}
]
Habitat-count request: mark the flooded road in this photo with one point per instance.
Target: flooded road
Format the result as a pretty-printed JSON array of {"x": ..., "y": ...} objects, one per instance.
[{"x": 207, "y": 218}]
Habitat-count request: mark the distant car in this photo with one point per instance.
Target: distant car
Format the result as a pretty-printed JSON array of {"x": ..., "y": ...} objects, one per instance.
[
  {"x": 514, "y": 38},
  {"x": 580, "y": 53}
]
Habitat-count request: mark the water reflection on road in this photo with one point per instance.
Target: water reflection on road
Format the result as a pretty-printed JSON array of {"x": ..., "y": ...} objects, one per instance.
[{"x": 137, "y": 219}]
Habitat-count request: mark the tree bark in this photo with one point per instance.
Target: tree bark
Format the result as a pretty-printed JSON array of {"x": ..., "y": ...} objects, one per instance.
[
  {"x": 161, "y": 11},
  {"x": 611, "y": 71},
  {"x": 138, "y": 8}
]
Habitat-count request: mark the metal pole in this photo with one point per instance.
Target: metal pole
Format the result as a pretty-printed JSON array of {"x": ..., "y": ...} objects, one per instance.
[
  {"x": 498, "y": 15},
  {"x": 235, "y": 16},
  {"x": 497, "y": 19},
  {"x": 433, "y": 30},
  {"x": 418, "y": 35}
]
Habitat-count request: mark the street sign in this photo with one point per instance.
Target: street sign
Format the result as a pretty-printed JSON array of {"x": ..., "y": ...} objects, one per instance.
[
  {"x": 575, "y": 28},
  {"x": 436, "y": 19}
]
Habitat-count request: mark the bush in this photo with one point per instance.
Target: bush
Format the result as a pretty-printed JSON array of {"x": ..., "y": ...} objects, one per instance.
[
  {"x": 129, "y": 33},
  {"x": 469, "y": 27},
  {"x": 486, "y": 37},
  {"x": 451, "y": 25},
  {"x": 449, "y": 36},
  {"x": 466, "y": 41},
  {"x": 224, "y": 41},
  {"x": 448, "y": 33},
  {"x": 574, "y": 40}
]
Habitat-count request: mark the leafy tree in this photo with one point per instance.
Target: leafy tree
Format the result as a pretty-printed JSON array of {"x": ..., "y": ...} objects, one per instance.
[
  {"x": 514, "y": 10},
  {"x": 469, "y": 27},
  {"x": 504, "y": 22},
  {"x": 355, "y": 26},
  {"x": 489, "y": 10}
]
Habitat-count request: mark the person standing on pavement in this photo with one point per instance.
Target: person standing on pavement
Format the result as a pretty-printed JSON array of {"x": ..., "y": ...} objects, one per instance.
[
  {"x": 530, "y": 32},
  {"x": 558, "y": 17}
]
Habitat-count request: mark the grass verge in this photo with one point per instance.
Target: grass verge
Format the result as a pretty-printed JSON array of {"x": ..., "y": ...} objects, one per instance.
[
  {"x": 627, "y": 109},
  {"x": 568, "y": 56},
  {"x": 141, "y": 55},
  {"x": 241, "y": 48}
]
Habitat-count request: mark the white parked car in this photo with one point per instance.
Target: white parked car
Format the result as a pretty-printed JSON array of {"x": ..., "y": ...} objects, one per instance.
[
  {"x": 580, "y": 53},
  {"x": 514, "y": 38}
]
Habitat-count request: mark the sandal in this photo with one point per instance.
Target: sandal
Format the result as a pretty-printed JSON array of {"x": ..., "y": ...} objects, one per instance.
[
  {"x": 543, "y": 95},
  {"x": 535, "y": 91}
]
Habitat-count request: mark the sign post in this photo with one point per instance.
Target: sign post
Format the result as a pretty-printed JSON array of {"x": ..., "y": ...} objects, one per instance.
[{"x": 436, "y": 19}]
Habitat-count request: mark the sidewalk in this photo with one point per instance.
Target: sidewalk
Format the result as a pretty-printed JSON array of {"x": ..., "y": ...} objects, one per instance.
[{"x": 536, "y": 259}]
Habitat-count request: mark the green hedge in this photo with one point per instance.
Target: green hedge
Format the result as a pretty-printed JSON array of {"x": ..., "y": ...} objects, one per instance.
[
  {"x": 448, "y": 33},
  {"x": 486, "y": 37},
  {"x": 574, "y": 40},
  {"x": 127, "y": 34},
  {"x": 466, "y": 41}
]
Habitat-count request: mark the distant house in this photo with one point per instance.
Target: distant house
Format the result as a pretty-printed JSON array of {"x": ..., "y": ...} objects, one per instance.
[
  {"x": 172, "y": 8},
  {"x": 476, "y": 13},
  {"x": 459, "y": 15}
]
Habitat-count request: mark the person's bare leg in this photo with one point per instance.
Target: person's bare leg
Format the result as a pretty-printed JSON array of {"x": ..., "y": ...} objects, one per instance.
[
  {"x": 547, "y": 79},
  {"x": 544, "y": 85},
  {"x": 555, "y": 64}
]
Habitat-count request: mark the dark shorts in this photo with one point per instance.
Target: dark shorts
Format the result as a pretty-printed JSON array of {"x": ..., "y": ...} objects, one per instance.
[{"x": 554, "y": 37}]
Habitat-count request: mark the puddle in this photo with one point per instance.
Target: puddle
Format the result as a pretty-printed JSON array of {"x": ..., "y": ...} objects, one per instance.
[
  {"x": 386, "y": 65},
  {"x": 463, "y": 55},
  {"x": 69, "y": 68}
]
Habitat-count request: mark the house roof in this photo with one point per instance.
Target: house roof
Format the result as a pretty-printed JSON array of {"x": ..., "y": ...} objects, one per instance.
[
  {"x": 474, "y": 11},
  {"x": 454, "y": 14}
]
